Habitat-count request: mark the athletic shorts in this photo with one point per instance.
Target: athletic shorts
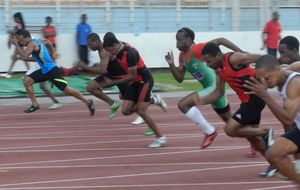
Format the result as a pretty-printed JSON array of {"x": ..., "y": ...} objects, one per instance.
[
  {"x": 294, "y": 136},
  {"x": 220, "y": 106},
  {"x": 122, "y": 87},
  {"x": 33, "y": 67},
  {"x": 250, "y": 112},
  {"x": 54, "y": 76},
  {"x": 139, "y": 91}
]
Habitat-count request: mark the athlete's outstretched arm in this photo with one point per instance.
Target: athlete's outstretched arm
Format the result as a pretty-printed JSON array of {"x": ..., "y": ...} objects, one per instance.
[
  {"x": 177, "y": 72},
  {"x": 225, "y": 42},
  {"x": 100, "y": 68},
  {"x": 243, "y": 58},
  {"x": 214, "y": 95}
]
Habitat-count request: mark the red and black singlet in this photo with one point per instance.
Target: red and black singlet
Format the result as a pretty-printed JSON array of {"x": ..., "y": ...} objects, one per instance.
[
  {"x": 128, "y": 57},
  {"x": 235, "y": 77}
]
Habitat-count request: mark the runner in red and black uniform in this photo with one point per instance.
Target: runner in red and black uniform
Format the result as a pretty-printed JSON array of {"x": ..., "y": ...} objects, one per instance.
[
  {"x": 234, "y": 69},
  {"x": 109, "y": 68},
  {"x": 130, "y": 68}
]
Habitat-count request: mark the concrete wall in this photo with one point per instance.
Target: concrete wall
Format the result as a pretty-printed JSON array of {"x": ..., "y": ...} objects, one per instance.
[{"x": 152, "y": 46}]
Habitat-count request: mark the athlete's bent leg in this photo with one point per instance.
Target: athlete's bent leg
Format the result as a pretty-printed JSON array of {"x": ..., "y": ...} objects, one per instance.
[
  {"x": 96, "y": 89},
  {"x": 277, "y": 155},
  {"x": 72, "y": 92},
  {"x": 142, "y": 111},
  {"x": 28, "y": 82},
  {"x": 46, "y": 90}
]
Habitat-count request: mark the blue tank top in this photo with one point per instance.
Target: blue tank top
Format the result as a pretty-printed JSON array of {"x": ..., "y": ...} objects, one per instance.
[{"x": 42, "y": 57}]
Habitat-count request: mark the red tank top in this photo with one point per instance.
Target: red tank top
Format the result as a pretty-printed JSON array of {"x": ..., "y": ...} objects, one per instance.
[{"x": 235, "y": 77}]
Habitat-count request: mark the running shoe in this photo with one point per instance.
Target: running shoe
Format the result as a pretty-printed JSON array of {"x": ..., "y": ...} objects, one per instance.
[
  {"x": 138, "y": 121},
  {"x": 114, "y": 108},
  {"x": 55, "y": 106},
  {"x": 159, "y": 142},
  {"x": 268, "y": 138},
  {"x": 208, "y": 139},
  {"x": 270, "y": 172},
  {"x": 32, "y": 108},
  {"x": 5, "y": 75},
  {"x": 160, "y": 102},
  {"x": 91, "y": 107},
  {"x": 149, "y": 132}
]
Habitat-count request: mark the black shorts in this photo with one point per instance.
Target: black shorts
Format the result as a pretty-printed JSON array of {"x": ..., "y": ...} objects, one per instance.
[
  {"x": 54, "y": 76},
  {"x": 250, "y": 112},
  {"x": 139, "y": 91},
  {"x": 294, "y": 136},
  {"x": 122, "y": 87},
  {"x": 222, "y": 110}
]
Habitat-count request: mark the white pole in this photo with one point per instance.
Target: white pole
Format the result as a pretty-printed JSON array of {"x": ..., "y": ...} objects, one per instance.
[
  {"x": 58, "y": 12},
  {"x": 7, "y": 14},
  {"x": 264, "y": 12},
  {"x": 131, "y": 10},
  {"x": 108, "y": 12},
  {"x": 178, "y": 12},
  {"x": 236, "y": 15}
]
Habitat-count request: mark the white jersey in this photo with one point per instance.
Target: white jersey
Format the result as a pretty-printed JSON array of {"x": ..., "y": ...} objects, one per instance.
[{"x": 284, "y": 95}]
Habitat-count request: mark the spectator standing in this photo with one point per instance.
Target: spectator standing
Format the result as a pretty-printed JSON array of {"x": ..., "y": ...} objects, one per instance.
[
  {"x": 49, "y": 31},
  {"x": 83, "y": 30},
  {"x": 20, "y": 25},
  {"x": 271, "y": 35}
]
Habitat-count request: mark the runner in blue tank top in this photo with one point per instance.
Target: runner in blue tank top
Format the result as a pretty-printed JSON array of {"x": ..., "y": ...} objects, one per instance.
[{"x": 49, "y": 71}]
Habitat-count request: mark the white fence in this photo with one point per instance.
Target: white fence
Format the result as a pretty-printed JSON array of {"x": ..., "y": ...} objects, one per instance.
[
  {"x": 152, "y": 46},
  {"x": 139, "y": 16}
]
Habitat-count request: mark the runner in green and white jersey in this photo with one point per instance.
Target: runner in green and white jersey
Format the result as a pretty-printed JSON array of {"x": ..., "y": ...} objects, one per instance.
[{"x": 190, "y": 60}]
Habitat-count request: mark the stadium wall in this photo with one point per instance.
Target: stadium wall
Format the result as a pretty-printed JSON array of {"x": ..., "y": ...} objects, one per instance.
[{"x": 152, "y": 46}]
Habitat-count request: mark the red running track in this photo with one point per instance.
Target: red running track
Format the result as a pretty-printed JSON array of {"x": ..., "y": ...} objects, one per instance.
[{"x": 68, "y": 149}]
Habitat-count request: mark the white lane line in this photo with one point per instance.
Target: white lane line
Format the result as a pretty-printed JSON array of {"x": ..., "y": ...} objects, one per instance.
[
  {"x": 117, "y": 157},
  {"x": 113, "y": 149},
  {"x": 277, "y": 187},
  {"x": 67, "y": 111},
  {"x": 131, "y": 175},
  {"x": 97, "y": 119},
  {"x": 122, "y": 126},
  {"x": 85, "y": 143},
  {"x": 130, "y": 165},
  {"x": 145, "y": 185}
]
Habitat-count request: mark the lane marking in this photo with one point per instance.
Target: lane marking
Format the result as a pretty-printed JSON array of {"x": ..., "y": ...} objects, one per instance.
[
  {"x": 147, "y": 185},
  {"x": 119, "y": 156},
  {"x": 131, "y": 175}
]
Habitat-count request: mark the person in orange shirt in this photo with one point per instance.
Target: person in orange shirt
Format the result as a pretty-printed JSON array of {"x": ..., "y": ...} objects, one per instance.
[
  {"x": 49, "y": 32},
  {"x": 271, "y": 35}
]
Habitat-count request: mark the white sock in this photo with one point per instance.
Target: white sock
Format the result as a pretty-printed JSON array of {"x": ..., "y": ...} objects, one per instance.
[{"x": 195, "y": 115}]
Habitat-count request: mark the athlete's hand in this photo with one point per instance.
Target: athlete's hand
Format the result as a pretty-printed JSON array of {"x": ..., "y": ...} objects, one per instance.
[
  {"x": 257, "y": 87},
  {"x": 80, "y": 64},
  {"x": 12, "y": 39},
  {"x": 170, "y": 58}
]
